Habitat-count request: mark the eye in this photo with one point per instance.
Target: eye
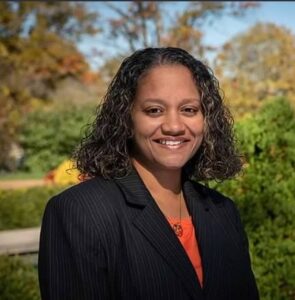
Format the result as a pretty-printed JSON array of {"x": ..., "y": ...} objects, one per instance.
[
  {"x": 153, "y": 111},
  {"x": 190, "y": 110}
]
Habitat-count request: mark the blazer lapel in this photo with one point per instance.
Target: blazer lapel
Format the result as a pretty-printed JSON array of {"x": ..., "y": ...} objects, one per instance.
[
  {"x": 199, "y": 205},
  {"x": 154, "y": 226}
]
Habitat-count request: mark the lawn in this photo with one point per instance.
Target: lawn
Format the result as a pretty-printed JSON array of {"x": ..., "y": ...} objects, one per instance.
[{"x": 20, "y": 175}]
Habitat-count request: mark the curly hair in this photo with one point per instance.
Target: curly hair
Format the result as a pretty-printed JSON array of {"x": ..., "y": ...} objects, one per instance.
[{"x": 105, "y": 149}]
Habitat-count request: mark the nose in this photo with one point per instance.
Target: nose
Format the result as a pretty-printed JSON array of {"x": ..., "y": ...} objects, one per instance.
[{"x": 173, "y": 124}]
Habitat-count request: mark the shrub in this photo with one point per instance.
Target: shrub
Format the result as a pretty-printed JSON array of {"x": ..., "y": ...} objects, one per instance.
[
  {"x": 18, "y": 280},
  {"x": 50, "y": 136},
  {"x": 265, "y": 195},
  {"x": 24, "y": 208}
]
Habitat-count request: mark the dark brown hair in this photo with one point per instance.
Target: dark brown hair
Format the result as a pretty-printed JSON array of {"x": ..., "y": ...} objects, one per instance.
[{"x": 105, "y": 149}]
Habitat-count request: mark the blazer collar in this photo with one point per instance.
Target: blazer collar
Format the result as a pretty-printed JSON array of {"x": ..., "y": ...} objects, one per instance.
[
  {"x": 200, "y": 207},
  {"x": 154, "y": 226},
  {"x": 134, "y": 189}
]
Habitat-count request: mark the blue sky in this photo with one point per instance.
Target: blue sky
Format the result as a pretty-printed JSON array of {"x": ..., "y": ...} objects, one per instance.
[{"x": 278, "y": 12}]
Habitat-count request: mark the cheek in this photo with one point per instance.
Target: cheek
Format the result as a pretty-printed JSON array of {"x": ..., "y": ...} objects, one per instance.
[
  {"x": 141, "y": 133},
  {"x": 144, "y": 127},
  {"x": 197, "y": 127}
]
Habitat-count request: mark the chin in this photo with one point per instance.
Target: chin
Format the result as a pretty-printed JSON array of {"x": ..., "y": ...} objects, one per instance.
[{"x": 172, "y": 165}]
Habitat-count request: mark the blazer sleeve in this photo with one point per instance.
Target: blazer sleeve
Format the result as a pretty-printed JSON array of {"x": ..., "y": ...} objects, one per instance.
[
  {"x": 253, "y": 290},
  {"x": 72, "y": 261}
]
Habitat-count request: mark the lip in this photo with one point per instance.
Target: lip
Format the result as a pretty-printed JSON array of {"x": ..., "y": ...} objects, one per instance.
[
  {"x": 171, "y": 142},
  {"x": 172, "y": 139}
]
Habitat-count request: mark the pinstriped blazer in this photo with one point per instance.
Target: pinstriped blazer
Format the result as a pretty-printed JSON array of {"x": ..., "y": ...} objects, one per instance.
[{"x": 107, "y": 239}]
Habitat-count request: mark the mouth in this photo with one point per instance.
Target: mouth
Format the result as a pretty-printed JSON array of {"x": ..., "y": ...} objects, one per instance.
[{"x": 171, "y": 143}]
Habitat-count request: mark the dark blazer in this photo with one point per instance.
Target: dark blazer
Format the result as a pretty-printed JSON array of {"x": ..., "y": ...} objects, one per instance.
[{"x": 107, "y": 239}]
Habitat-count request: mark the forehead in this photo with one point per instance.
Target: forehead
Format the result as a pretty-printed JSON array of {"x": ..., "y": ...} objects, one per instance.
[
  {"x": 167, "y": 81},
  {"x": 167, "y": 70}
]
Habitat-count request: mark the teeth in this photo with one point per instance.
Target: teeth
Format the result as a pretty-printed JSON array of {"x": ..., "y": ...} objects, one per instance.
[{"x": 170, "y": 143}]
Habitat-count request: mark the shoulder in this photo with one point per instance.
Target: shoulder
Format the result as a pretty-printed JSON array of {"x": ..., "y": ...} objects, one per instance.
[
  {"x": 92, "y": 199},
  {"x": 95, "y": 188},
  {"x": 221, "y": 206},
  {"x": 214, "y": 199},
  {"x": 85, "y": 214}
]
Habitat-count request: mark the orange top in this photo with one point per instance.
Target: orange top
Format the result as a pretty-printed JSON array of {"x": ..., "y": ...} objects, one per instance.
[{"x": 190, "y": 244}]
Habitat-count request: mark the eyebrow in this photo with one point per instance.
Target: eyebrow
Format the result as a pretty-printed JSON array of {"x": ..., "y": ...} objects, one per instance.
[{"x": 161, "y": 101}]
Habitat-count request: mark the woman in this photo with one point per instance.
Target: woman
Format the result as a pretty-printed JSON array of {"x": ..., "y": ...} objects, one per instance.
[{"x": 141, "y": 228}]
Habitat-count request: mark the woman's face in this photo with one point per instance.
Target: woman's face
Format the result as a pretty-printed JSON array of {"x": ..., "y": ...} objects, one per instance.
[{"x": 168, "y": 123}]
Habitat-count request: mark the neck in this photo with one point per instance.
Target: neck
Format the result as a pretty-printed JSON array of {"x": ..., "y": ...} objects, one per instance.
[
  {"x": 159, "y": 181},
  {"x": 165, "y": 188}
]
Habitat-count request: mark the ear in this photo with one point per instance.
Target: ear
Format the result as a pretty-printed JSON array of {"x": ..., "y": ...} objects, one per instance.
[
  {"x": 131, "y": 134},
  {"x": 131, "y": 129}
]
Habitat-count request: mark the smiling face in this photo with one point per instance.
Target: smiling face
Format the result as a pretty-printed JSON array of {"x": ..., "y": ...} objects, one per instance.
[{"x": 168, "y": 123}]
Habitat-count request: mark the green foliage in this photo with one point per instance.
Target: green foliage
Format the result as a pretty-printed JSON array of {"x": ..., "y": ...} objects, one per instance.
[
  {"x": 265, "y": 195},
  {"x": 24, "y": 208},
  {"x": 49, "y": 137},
  {"x": 18, "y": 280},
  {"x": 37, "y": 53}
]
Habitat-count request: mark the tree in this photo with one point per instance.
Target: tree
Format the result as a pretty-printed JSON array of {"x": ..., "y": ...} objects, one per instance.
[
  {"x": 258, "y": 64},
  {"x": 140, "y": 24},
  {"x": 37, "y": 50},
  {"x": 66, "y": 19},
  {"x": 144, "y": 23},
  {"x": 39, "y": 37}
]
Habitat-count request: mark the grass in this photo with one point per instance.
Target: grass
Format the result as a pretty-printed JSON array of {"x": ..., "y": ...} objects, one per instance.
[{"x": 19, "y": 175}]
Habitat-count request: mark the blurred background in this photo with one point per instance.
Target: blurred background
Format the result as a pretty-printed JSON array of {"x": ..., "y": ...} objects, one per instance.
[{"x": 56, "y": 61}]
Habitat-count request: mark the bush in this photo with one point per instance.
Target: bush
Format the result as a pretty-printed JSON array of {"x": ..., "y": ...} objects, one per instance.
[
  {"x": 265, "y": 195},
  {"x": 50, "y": 136},
  {"x": 18, "y": 280},
  {"x": 24, "y": 208}
]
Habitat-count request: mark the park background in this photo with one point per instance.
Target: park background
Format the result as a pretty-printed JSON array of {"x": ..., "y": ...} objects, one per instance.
[{"x": 56, "y": 60}]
